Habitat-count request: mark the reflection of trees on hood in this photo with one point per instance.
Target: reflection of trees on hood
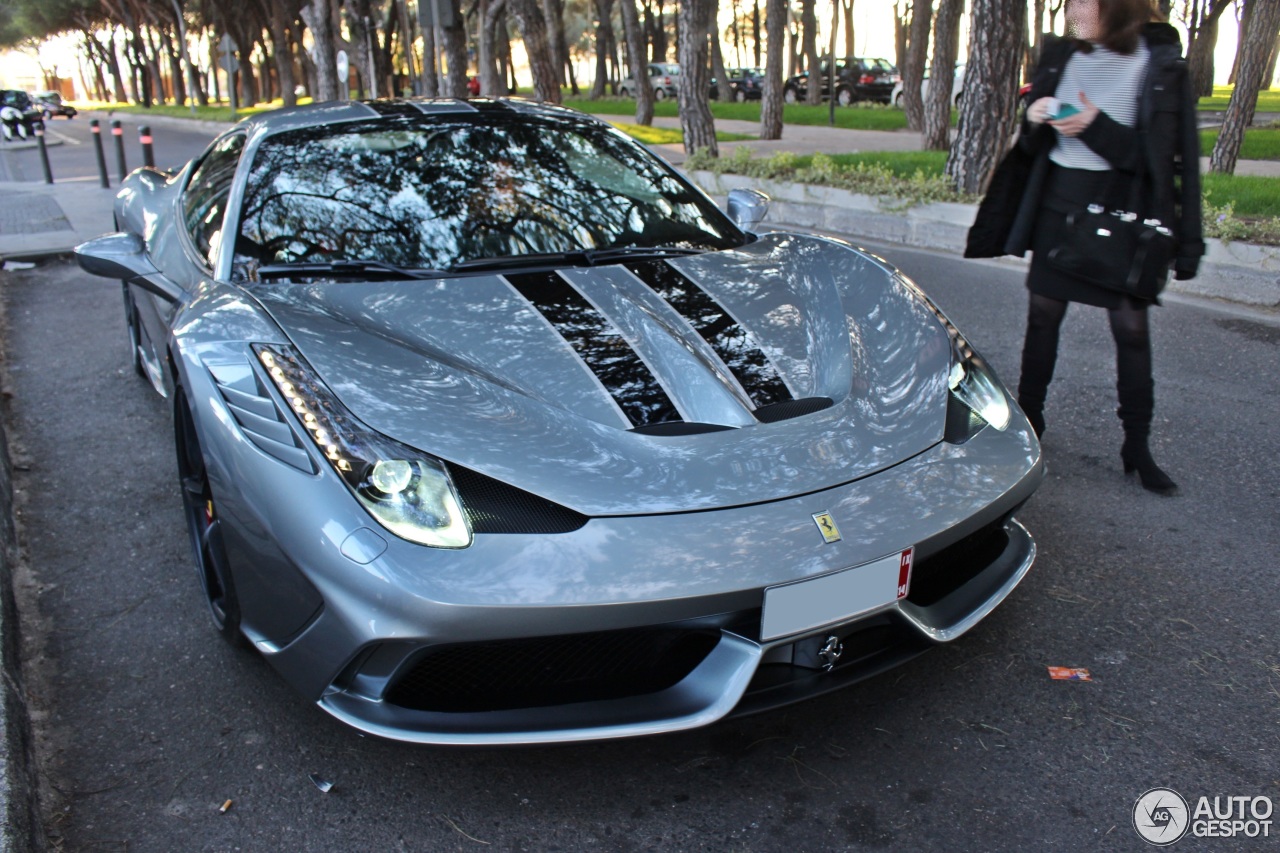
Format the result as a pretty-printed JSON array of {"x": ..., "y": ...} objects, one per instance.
[{"x": 432, "y": 195}]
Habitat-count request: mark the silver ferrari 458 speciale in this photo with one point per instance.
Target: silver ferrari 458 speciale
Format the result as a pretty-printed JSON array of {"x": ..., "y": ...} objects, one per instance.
[{"x": 492, "y": 428}]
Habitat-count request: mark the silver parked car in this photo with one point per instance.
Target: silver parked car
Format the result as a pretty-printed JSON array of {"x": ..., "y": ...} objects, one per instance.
[
  {"x": 491, "y": 428},
  {"x": 664, "y": 77}
]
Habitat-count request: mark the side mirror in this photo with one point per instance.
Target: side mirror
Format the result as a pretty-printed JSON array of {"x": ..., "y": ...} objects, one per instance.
[
  {"x": 747, "y": 208},
  {"x": 124, "y": 257}
]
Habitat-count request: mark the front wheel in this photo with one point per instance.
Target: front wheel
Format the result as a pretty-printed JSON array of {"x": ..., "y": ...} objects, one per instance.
[
  {"x": 789, "y": 95},
  {"x": 740, "y": 96},
  {"x": 135, "y": 331},
  {"x": 204, "y": 526},
  {"x": 844, "y": 97}
]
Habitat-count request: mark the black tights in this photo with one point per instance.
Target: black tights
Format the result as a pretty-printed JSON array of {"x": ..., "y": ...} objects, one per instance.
[{"x": 1132, "y": 335}]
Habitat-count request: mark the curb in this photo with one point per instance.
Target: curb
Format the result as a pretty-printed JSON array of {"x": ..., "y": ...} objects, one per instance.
[
  {"x": 1238, "y": 272},
  {"x": 21, "y": 823}
]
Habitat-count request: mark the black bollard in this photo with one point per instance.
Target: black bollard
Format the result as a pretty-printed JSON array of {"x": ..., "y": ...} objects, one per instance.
[
  {"x": 118, "y": 133},
  {"x": 144, "y": 136},
  {"x": 44, "y": 155},
  {"x": 97, "y": 145}
]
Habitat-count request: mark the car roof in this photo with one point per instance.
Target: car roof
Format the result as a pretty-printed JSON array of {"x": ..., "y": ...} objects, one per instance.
[{"x": 340, "y": 112}]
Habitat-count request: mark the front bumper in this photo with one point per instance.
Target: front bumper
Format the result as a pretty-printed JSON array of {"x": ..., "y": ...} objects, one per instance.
[
  {"x": 513, "y": 602},
  {"x": 737, "y": 676}
]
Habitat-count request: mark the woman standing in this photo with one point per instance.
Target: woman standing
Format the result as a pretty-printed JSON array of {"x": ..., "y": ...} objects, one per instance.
[{"x": 1111, "y": 118}]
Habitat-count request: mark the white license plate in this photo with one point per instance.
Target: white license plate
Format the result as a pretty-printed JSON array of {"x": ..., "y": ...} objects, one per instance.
[{"x": 837, "y": 597}]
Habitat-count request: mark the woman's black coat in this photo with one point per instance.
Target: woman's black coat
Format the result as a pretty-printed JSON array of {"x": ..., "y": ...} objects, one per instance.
[{"x": 1166, "y": 133}]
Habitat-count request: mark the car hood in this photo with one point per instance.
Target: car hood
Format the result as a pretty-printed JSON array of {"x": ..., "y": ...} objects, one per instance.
[{"x": 784, "y": 367}]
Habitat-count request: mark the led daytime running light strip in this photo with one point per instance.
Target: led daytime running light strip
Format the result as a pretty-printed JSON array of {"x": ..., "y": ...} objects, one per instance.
[{"x": 286, "y": 375}]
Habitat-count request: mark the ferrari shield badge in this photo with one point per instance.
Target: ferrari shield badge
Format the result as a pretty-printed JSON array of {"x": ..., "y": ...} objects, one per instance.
[{"x": 827, "y": 526}]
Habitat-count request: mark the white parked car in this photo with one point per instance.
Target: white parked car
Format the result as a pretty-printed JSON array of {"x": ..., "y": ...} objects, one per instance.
[{"x": 957, "y": 88}]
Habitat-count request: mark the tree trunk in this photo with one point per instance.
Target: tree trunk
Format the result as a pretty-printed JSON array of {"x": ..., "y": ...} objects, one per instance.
[
  {"x": 542, "y": 63},
  {"x": 900, "y": 39},
  {"x": 283, "y": 53},
  {"x": 723, "y": 91},
  {"x": 553, "y": 14},
  {"x": 809, "y": 35},
  {"x": 491, "y": 83},
  {"x": 1254, "y": 53},
  {"x": 755, "y": 31},
  {"x": 1269, "y": 76},
  {"x": 997, "y": 30},
  {"x": 604, "y": 35},
  {"x": 846, "y": 10},
  {"x": 455, "y": 45},
  {"x": 771, "y": 98},
  {"x": 316, "y": 15},
  {"x": 636, "y": 61},
  {"x": 695, "y": 112},
  {"x": 1203, "y": 39},
  {"x": 913, "y": 70},
  {"x": 946, "y": 45}
]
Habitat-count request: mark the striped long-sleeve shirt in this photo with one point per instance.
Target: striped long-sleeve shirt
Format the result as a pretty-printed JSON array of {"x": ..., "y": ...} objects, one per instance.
[{"x": 1113, "y": 82}]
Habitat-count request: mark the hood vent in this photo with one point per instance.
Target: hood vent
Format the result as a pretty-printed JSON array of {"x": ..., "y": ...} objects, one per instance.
[{"x": 788, "y": 409}]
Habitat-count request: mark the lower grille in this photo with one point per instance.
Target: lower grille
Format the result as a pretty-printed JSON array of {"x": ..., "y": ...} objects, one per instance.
[
  {"x": 941, "y": 574},
  {"x": 545, "y": 671}
]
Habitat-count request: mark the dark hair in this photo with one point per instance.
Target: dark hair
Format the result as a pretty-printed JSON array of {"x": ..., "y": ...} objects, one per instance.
[{"x": 1122, "y": 21}]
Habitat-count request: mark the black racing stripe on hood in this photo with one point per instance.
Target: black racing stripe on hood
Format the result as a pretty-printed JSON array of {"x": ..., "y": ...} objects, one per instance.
[
  {"x": 735, "y": 345},
  {"x": 599, "y": 343}
]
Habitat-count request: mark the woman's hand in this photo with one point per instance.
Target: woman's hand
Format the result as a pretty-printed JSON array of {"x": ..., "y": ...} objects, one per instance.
[
  {"x": 1038, "y": 112},
  {"x": 1074, "y": 125}
]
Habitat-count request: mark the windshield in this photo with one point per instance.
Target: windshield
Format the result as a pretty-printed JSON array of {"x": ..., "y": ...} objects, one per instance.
[{"x": 432, "y": 195}]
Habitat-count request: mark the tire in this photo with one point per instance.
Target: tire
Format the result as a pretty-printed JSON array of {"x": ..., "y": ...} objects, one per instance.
[
  {"x": 790, "y": 96},
  {"x": 659, "y": 94},
  {"x": 625, "y": 92},
  {"x": 740, "y": 96},
  {"x": 135, "y": 332},
  {"x": 844, "y": 97},
  {"x": 204, "y": 527},
  {"x": 47, "y": 115},
  {"x": 897, "y": 100}
]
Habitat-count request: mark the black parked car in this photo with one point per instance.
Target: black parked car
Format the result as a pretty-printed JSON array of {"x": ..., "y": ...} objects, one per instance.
[
  {"x": 19, "y": 117},
  {"x": 50, "y": 104},
  {"x": 857, "y": 79},
  {"x": 745, "y": 84}
]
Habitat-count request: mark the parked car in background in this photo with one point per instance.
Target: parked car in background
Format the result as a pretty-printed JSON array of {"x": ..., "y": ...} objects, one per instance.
[
  {"x": 745, "y": 84},
  {"x": 857, "y": 79},
  {"x": 664, "y": 77},
  {"x": 19, "y": 117},
  {"x": 957, "y": 87},
  {"x": 50, "y": 104}
]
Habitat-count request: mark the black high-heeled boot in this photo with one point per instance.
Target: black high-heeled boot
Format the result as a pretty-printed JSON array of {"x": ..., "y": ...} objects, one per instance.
[
  {"x": 1136, "y": 456},
  {"x": 1039, "y": 355}
]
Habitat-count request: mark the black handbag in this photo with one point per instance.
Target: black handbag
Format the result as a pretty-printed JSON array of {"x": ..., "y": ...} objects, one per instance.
[{"x": 1117, "y": 249}]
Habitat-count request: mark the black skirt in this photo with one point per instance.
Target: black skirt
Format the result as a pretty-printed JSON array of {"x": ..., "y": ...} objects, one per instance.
[{"x": 1066, "y": 191}]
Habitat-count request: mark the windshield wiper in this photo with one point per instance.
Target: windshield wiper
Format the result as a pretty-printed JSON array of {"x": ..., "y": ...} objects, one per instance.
[
  {"x": 365, "y": 269},
  {"x": 583, "y": 257}
]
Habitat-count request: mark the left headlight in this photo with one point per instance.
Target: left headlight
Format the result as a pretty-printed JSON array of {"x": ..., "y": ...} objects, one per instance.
[
  {"x": 977, "y": 397},
  {"x": 408, "y": 492}
]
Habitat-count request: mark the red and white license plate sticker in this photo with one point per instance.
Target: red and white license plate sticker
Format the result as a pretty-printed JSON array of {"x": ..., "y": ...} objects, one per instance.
[{"x": 837, "y": 597}]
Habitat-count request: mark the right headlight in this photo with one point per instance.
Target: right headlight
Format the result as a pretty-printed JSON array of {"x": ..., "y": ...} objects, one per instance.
[{"x": 408, "y": 492}]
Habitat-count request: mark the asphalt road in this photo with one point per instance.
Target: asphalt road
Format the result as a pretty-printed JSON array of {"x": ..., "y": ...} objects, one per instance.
[
  {"x": 149, "y": 722},
  {"x": 72, "y": 156}
]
